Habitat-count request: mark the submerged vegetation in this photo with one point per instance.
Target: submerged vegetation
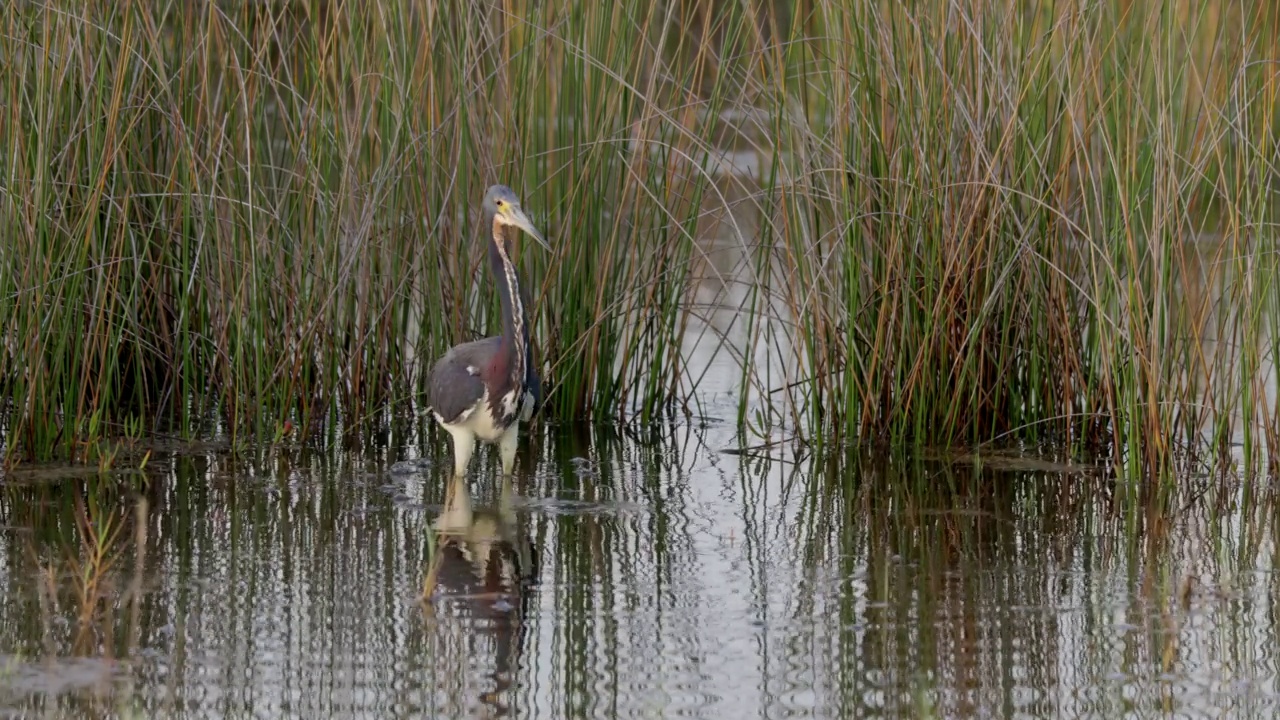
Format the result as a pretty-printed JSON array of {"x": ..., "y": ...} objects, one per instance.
[{"x": 958, "y": 221}]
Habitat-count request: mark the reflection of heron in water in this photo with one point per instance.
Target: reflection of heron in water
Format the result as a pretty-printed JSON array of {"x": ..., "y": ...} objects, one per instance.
[{"x": 482, "y": 569}]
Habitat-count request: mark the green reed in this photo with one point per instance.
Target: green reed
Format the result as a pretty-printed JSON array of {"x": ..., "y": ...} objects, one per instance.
[
  {"x": 1033, "y": 222},
  {"x": 975, "y": 221},
  {"x": 223, "y": 220}
]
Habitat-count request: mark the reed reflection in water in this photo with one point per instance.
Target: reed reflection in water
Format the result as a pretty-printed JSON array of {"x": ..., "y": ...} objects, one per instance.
[{"x": 629, "y": 576}]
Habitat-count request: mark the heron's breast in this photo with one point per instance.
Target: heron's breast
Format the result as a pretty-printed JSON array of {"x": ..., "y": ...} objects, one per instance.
[
  {"x": 490, "y": 417},
  {"x": 485, "y": 419},
  {"x": 485, "y": 424}
]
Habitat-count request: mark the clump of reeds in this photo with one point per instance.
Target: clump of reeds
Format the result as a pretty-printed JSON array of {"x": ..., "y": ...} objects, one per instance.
[
  {"x": 258, "y": 213},
  {"x": 1030, "y": 221},
  {"x": 975, "y": 220}
]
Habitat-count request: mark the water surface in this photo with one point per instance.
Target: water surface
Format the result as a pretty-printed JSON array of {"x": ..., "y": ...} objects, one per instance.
[{"x": 631, "y": 576}]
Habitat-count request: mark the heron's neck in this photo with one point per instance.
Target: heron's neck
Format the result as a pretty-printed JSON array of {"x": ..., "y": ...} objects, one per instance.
[{"x": 514, "y": 333}]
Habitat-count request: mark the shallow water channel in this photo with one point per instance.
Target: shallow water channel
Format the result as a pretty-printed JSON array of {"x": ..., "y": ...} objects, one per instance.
[{"x": 630, "y": 576}]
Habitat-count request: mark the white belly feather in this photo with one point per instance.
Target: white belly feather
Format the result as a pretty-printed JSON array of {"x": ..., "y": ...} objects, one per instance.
[{"x": 480, "y": 421}]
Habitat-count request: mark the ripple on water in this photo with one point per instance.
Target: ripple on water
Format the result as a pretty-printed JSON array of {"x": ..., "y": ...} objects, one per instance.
[
  {"x": 679, "y": 594},
  {"x": 54, "y": 676}
]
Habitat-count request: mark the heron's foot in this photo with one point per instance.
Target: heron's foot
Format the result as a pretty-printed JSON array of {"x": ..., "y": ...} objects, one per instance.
[
  {"x": 507, "y": 448},
  {"x": 506, "y": 500},
  {"x": 456, "y": 515}
]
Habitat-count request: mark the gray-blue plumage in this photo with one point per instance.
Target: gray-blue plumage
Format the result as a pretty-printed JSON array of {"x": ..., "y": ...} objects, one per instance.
[{"x": 454, "y": 388}]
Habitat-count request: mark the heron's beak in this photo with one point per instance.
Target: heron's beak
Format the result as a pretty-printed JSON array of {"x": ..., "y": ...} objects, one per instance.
[{"x": 515, "y": 216}]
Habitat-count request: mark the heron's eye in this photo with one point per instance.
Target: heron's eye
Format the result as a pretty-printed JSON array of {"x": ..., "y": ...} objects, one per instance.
[{"x": 501, "y": 203}]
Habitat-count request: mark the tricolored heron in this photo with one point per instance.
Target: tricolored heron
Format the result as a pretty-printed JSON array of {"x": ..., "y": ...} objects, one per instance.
[{"x": 484, "y": 390}]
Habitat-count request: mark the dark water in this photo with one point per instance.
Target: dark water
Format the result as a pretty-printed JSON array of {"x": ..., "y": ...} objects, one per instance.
[{"x": 631, "y": 577}]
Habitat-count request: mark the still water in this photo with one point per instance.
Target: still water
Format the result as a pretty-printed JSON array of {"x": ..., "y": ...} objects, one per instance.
[{"x": 630, "y": 576}]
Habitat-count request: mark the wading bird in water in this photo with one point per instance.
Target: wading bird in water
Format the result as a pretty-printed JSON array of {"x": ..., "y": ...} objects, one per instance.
[{"x": 484, "y": 390}]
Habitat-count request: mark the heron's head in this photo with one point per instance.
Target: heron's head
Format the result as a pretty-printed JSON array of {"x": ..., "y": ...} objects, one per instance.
[{"x": 502, "y": 203}]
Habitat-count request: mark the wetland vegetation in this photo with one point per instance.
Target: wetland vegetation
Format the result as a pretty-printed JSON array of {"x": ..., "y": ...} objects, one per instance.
[
  {"x": 862, "y": 321},
  {"x": 952, "y": 222}
]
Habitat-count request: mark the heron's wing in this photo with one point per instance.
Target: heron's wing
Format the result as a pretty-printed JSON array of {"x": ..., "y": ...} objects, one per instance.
[{"x": 455, "y": 385}]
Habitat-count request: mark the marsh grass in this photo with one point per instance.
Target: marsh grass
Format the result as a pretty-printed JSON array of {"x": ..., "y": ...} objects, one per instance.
[
  {"x": 1033, "y": 221},
  {"x": 977, "y": 221}
]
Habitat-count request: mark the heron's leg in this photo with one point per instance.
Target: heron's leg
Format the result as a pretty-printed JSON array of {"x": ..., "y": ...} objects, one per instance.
[
  {"x": 507, "y": 448},
  {"x": 464, "y": 443}
]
